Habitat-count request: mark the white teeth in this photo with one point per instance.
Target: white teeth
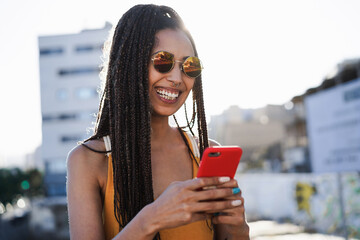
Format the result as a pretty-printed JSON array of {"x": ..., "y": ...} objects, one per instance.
[{"x": 167, "y": 95}]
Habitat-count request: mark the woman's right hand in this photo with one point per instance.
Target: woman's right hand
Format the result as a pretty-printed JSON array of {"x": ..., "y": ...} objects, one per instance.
[{"x": 186, "y": 202}]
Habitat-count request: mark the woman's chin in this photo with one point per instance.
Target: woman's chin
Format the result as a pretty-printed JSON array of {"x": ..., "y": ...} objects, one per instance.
[{"x": 163, "y": 112}]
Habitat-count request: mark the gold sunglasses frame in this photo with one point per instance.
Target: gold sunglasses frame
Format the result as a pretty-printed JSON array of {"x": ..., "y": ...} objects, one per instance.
[{"x": 177, "y": 61}]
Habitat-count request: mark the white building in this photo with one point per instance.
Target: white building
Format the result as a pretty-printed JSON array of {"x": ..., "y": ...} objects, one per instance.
[{"x": 69, "y": 80}]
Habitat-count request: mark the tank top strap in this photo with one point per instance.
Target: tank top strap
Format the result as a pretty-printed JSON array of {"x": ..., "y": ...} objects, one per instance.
[
  {"x": 107, "y": 144},
  {"x": 198, "y": 230},
  {"x": 194, "y": 145}
]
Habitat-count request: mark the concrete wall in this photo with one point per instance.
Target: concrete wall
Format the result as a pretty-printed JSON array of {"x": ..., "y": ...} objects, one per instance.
[{"x": 306, "y": 199}]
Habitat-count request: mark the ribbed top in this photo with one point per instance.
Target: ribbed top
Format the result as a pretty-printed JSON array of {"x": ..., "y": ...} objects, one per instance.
[{"x": 198, "y": 230}]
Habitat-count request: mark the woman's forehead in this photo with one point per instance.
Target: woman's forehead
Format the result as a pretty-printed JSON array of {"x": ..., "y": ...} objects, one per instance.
[{"x": 174, "y": 41}]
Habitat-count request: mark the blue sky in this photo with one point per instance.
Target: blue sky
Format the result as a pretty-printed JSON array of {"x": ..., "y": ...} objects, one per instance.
[{"x": 273, "y": 50}]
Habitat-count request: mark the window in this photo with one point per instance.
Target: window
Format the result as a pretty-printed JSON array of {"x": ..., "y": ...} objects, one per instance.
[
  {"x": 56, "y": 189},
  {"x": 56, "y": 165},
  {"x": 86, "y": 93},
  {"x": 85, "y": 115},
  {"x": 51, "y": 51},
  {"x": 66, "y": 116},
  {"x": 62, "y": 94},
  {"x": 71, "y": 138},
  {"x": 78, "y": 71},
  {"x": 47, "y": 118},
  {"x": 61, "y": 117},
  {"x": 87, "y": 48}
]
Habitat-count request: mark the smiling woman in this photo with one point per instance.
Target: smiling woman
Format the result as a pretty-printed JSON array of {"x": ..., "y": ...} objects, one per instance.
[
  {"x": 135, "y": 177},
  {"x": 169, "y": 85}
]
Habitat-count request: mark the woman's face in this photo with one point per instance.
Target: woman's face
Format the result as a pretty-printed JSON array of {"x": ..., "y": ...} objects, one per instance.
[{"x": 168, "y": 91}]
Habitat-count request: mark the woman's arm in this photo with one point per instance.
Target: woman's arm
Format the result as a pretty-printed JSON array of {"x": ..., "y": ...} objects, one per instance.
[
  {"x": 85, "y": 204},
  {"x": 84, "y": 194}
]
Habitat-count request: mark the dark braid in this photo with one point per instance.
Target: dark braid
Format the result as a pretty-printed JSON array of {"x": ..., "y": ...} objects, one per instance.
[
  {"x": 199, "y": 103},
  {"x": 125, "y": 111},
  {"x": 202, "y": 127},
  {"x": 198, "y": 99},
  {"x": 191, "y": 123}
]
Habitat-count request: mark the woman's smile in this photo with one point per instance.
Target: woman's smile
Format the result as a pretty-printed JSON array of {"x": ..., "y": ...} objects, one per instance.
[{"x": 168, "y": 95}]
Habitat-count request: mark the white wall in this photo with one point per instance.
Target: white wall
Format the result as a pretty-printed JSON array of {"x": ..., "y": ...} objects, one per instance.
[
  {"x": 333, "y": 123},
  {"x": 273, "y": 196}
]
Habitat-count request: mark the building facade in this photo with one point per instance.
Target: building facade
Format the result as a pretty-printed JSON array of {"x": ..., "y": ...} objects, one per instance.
[
  {"x": 259, "y": 132},
  {"x": 276, "y": 137},
  {"x": 69, "y": 82}
]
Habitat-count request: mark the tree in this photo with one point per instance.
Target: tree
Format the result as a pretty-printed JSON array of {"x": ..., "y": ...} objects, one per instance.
[{"x": 15, "y": 182}]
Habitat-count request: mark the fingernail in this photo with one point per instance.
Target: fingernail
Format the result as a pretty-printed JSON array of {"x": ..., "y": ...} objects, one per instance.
[
  {"x": 236, "y": 202},
  {"x": 236, "y": 190},
  {"x": 224, "y": 179}
]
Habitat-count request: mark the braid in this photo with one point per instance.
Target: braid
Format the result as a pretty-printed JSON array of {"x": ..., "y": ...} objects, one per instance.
[
  {"x": 132, "y": 159},
  {"x": 191, "y": 123},
  {"x": 125, "y": 111},
  {"x": 198, "y": 100},
  {"x": 202, "y": 127}
]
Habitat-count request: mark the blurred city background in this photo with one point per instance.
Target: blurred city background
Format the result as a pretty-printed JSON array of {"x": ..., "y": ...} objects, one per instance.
[{"x": 281, "y": 80}]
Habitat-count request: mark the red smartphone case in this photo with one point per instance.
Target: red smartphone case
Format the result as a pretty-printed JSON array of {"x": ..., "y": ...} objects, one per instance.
[{"x": 220, "y": 161}]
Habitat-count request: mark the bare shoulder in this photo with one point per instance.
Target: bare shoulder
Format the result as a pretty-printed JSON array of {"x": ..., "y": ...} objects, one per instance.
[
  {"x": 85, "y": 161},
  {"x": 86, "y": 180},
  {"x": 81, "y": 152}
]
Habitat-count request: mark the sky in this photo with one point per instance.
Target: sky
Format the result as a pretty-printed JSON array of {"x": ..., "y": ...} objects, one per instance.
[{"x": 254, "y": 53}]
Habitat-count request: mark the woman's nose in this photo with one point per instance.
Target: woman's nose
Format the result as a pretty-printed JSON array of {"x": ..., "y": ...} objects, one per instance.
[{"x": 175, "y": 75}]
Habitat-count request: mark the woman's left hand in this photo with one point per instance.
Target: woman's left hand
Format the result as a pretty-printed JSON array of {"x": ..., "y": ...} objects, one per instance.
[{"x": 231, "y": 223}]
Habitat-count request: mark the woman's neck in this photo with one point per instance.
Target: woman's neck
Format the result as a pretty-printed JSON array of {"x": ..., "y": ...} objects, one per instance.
[{"x": 160, "y": 128}]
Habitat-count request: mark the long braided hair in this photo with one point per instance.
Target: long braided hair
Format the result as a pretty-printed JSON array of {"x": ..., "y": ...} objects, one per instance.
[{"x": 125, "y": 112}]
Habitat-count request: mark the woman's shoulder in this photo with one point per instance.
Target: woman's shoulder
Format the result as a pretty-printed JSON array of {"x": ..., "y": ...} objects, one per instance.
[
  {"x": 87, "y": 156},
  {"x": 92, "y": 148}
]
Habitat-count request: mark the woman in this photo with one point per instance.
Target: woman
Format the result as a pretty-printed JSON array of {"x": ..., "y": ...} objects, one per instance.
[{"x": 134, "y": 178}]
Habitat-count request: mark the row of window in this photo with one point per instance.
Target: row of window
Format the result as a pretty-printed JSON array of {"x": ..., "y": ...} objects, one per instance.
[
  {"x": 51, "y": 51},
  {"x": 83, "y": 93},
  {"x": 70, "y": 116},
  {"x": 78, "y": 49},
  {"x": 71, "y": 138},
  {"x": 78, "y": 71}
]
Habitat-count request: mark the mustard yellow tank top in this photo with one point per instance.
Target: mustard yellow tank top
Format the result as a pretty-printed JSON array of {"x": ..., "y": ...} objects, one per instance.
[{"x": 198, "y": 230}]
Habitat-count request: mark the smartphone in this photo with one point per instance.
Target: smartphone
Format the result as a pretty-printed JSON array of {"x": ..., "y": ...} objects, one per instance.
[{"x": 220, "y": 161}]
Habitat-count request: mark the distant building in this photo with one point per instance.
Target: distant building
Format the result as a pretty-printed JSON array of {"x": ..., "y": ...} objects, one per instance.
[
  {"x": 299, "y": 150},
  {"x": 276, "y": 137},
  {"x": 69, "y": 80},
  {"x": 295, "y": 143},
  {"x": 257, "y": 131},
  {"x": 34, "y": 160}
]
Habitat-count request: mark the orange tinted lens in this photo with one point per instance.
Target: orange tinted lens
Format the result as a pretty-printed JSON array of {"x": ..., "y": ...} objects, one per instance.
[
  {"x": 192, "y": 67},
  {"x": 163, "y": 61}
]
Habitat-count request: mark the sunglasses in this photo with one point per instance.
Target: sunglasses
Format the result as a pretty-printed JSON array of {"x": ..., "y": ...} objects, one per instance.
[{"x": 164, "y": 62}]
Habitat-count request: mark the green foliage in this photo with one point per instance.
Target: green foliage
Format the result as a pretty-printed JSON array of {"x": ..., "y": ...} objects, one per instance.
[{"x": 15, "y": 182}]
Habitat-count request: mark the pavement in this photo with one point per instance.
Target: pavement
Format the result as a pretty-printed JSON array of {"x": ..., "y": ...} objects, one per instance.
[{"x": 271, "y": 230}]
